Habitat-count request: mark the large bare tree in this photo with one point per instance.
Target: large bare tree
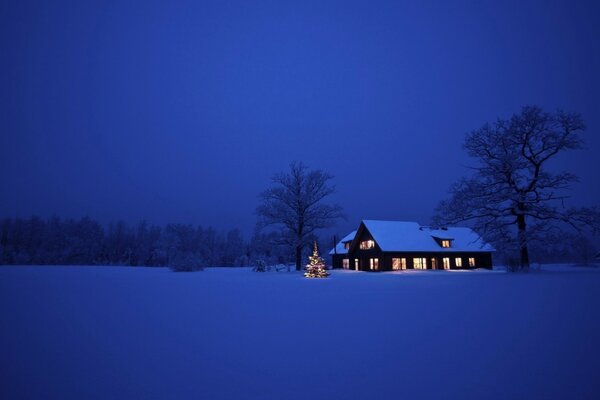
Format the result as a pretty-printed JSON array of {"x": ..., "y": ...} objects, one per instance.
[
  {"x": 295, "y": 203},
  {"x": 512, "y": 193}
]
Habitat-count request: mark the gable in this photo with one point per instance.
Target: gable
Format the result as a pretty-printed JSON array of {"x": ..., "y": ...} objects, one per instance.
[{"x": 363, "y": 235}]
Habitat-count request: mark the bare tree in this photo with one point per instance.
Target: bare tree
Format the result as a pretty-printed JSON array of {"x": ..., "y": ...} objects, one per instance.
[
  {"x": 295, "y": 202},
  {"x": 511, "y": 186}
]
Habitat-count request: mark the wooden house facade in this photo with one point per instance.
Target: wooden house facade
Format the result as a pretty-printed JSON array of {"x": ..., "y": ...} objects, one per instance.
[{"x": 401, "y": 245}]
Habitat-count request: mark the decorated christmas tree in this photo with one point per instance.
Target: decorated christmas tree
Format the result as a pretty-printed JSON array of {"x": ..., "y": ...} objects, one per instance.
[{"x": 316, "y": 265}]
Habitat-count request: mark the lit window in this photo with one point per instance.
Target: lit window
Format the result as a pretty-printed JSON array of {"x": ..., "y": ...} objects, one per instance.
[
  {"x": 347, "y": 245},
  {"x": 374, "y": 263},
  {"x": 471, "y": 261},
  {"x": 367, "y": 244},
  {"x": 419, "y": 263},
  {"x": 356, "y": 264},
  {"x": 445, "y": 243},
  {"x": 346, "y": 263},
  {"x": 458, "y": 262},
  {"x": 446, "y": 262},
  {"x": 433, "y": 263},
  {"x": 398, "y": 263}
]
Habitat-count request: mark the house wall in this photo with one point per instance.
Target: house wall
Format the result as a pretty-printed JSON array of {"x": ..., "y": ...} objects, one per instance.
[
  {"x": 482, "y": 260},
  {"x": 364, "y": 255},
  {"x": 336, "y": 260}
]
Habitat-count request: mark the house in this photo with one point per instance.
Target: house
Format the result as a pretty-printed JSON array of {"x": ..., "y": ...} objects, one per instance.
[
  {"x": 340, "y": 251},
  {"x": 399, "y": 245}
]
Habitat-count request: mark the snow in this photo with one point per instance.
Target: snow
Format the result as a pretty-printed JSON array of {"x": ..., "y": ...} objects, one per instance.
[
  {"x": 225, "y": 333},
  {"x": 339, "y": 248},
  {"x": 410, "y": 236}
]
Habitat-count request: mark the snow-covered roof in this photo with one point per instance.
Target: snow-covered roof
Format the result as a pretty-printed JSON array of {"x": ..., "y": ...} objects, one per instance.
[
  {"x": 440, "y": 233},
  {"x": 339, "y": 248},
  {"x": 410, "y": 236}
]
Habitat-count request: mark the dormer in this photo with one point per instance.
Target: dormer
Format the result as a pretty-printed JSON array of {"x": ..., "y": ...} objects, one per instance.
[{"x": 444, "y": 242}]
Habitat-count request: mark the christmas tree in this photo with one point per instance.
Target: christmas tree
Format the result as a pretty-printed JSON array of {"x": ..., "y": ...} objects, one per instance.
[{"x": 316, "y": 265}]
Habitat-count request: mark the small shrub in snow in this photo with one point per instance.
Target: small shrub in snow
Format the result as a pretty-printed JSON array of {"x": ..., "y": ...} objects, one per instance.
[{"x": 260, "y": 266}]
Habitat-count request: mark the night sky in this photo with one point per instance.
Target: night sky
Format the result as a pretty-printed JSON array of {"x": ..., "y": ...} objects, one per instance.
[{"x": 181, "y": 111}]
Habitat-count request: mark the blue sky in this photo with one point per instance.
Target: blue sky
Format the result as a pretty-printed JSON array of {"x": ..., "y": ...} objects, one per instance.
[{"x": 182, "y": 110}]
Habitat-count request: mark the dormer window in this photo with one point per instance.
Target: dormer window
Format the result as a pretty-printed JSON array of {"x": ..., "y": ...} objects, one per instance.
[
  {"x": 367, "y": 244},
  {"x": 347, "y": 245},
  {"x": 444, "y": 241}
]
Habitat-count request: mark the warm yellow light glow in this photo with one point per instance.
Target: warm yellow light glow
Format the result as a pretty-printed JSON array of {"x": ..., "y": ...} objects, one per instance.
[
  {"x": 356, "y": 264},
  {"x": 398, "y": 263},
  {"x": 316, "y": 265},
  {"x": 446, "y": 262},
  {"x": 458, "y": 262},
  {"x": 367, "y": 244},
  {"x": 471, "y": 261},
  {"x": 433, "y": 263},
  {"x": 374, "y": 263},
  {"x": 419, "y": 263},
  {"x": 346, "y": 263},
  {"x": 445, "y": 243}
]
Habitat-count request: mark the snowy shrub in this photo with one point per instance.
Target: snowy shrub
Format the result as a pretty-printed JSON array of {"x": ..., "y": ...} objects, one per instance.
[
  {"x": 185, "y": 262},
  {"x": 260, "y": 266}
]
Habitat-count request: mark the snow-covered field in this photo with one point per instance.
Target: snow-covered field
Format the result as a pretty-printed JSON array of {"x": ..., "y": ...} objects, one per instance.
[{"x": 131, "y": 333}]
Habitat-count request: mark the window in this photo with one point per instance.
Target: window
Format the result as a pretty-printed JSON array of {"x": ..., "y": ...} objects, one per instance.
[
  {"x": 433, "y": 263},
  {"x": 446, "y": 262},
  {"x": 374, "y": 263},
  {"x": 347, "y": 245},
  {"x": 356, "y": 264},
  {"x": 367, "y": 244},
  {"x": 398, "y": 263},
  {"x": 471, "y": 261},
  {"x": 458, "y": 262},
  {"x": 346, "y": 263},
  {"x": 445, "y": 243},
  {"x": 419, "y": 263}
]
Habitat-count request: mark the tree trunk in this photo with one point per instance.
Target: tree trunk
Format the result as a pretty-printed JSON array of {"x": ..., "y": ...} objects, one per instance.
[
  {"x": 298, "y": 258},
  {"x": 523, "y": 246}
]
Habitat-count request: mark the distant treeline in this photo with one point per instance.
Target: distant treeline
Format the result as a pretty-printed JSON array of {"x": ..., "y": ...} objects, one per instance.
[{"x": 85, "y": 241}]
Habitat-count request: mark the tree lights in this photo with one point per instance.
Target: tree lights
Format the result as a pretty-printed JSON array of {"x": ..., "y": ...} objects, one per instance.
[{"x": 316, "y": 265}]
